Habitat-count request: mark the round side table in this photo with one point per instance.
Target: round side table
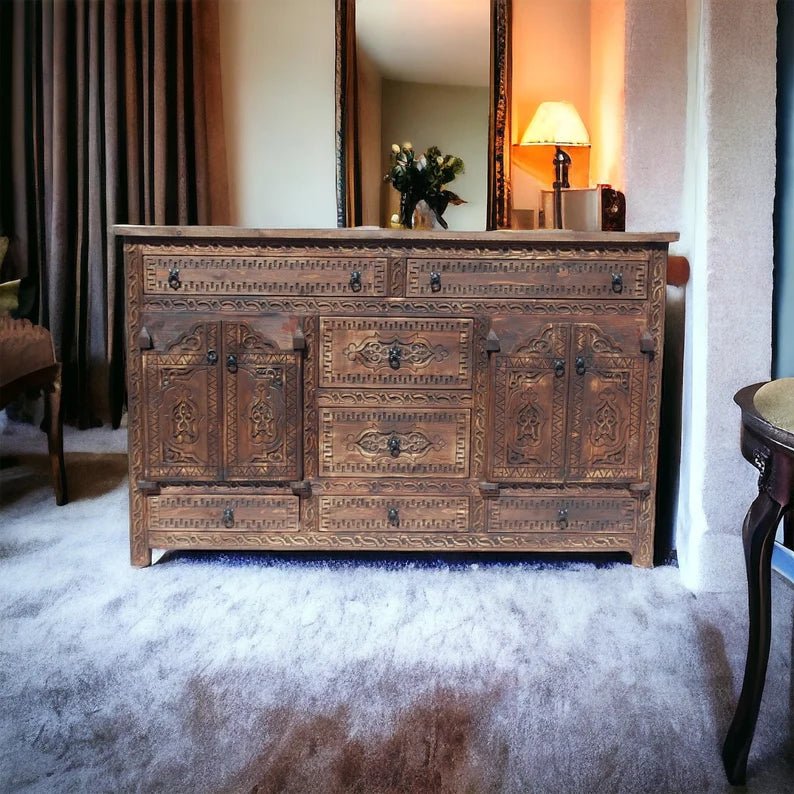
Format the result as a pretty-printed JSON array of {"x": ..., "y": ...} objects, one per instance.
[{"x": 768, "y": 443}]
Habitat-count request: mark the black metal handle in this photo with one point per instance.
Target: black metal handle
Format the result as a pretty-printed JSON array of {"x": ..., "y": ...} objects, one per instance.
[
  {"x": 173, "y": 278},
  {"x": 435, "y": 281},
  {"x": 395, "y": 357},
  {"x": 355, "y": 281},
  {"x": 559, "y": 367},
  {"x": 394, "y": 516},
  {"x": 562, "y": 517},
  {"x": 394, "y": 446},
  {"x": 581, "y": 365},
  {"x": 617, "y": 282},
  {"x": 231, "y": 362},
  {"x": 228, "y": 518},
  {"x": 212, "y": 356}
]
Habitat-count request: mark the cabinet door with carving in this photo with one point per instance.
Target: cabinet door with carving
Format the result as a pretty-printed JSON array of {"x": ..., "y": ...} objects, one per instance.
[
  {"x": 607, "y": 409},
  {"x": 261, "y": 404},
  {"x": 180, "y": 388},
  {"x": 529, "y": 386}
]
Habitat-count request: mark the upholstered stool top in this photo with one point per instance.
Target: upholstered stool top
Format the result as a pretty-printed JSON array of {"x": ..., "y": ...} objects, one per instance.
[
  {"x": 774, "y": 401},
  {"x": 24, "y": 348}
]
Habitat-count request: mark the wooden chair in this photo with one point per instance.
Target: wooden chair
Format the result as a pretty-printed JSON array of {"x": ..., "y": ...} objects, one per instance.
[{"x": 27, "y": 362}]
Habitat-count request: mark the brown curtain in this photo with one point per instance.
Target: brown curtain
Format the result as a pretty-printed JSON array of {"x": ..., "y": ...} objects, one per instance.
[{"x": 116, "y": 117}]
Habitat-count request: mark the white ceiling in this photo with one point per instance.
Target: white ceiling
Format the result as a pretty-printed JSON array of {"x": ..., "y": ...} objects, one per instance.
[{"x": 427, "y": 41}]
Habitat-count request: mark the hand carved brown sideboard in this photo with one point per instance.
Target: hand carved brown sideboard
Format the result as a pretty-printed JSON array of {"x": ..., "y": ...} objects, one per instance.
[{"x": 357, "y": 389}]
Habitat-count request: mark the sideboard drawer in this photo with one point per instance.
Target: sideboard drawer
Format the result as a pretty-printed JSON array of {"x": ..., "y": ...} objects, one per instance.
[
  {"x": 394, "y": 442},
  {"x": 393, "y": 514},
  {"x": 222, "y": 512},
  {"x": 400, "y": 352},
  {"x": 613, "y": 514},
  {"x": 263, "y": 274},
  {"x": 541, "y": 277}
]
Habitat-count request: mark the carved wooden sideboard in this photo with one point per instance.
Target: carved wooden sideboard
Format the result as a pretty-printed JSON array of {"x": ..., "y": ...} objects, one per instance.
[{"x": 356, "y": 389}]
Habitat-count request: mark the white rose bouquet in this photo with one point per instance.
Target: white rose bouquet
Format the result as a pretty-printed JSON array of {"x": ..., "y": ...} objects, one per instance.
[{"x": 423, "y": 178}]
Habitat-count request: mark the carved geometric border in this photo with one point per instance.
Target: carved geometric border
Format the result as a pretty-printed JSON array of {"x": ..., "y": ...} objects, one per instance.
[{"x": 395, "y": 541}]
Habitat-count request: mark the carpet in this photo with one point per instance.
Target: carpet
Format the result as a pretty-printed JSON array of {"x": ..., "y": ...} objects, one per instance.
[{"x": 213, "y": 672}]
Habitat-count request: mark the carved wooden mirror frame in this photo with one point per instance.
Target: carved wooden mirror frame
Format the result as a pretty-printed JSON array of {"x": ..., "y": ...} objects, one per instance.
[{"x": 348, "y": 172}]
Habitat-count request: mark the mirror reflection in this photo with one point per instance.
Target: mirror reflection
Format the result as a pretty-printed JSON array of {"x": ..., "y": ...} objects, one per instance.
[{"x": 423, "y": 77}]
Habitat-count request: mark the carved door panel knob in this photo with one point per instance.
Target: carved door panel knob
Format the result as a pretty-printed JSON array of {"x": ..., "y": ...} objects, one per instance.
[
  {"x": 212, "y": 357},
  {"x": 559, "y": 367},
  {"x": 581, "y": 365},
  {"x": 231, "y": 363},
  {"x": 395, "y": 357}
]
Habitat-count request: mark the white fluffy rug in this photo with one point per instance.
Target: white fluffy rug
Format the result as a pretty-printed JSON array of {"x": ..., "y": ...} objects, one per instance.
[{"x": 217, "y": 672}]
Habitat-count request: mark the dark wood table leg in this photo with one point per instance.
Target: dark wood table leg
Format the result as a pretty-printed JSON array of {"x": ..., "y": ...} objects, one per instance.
[{"x": 759, "y": 538}]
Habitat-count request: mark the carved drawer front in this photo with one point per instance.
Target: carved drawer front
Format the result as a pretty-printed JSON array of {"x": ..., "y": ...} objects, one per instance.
[
  {"x": 257, "y": 273},
  {"x": 398, "y": 352},
  {"x": 393, "y": 514},
  {"x": 221, "y": 512},
  {"x": 611, "y": 276},
  {"x": 559, "y": 514},
  {"x": 400, "y": 442}
]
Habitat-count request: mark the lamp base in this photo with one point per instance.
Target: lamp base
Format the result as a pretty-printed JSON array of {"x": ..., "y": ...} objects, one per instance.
[{"x": 562, "y": 161}]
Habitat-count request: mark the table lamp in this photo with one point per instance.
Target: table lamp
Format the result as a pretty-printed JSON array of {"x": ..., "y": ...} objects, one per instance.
[{"x": 557, "y": 124}]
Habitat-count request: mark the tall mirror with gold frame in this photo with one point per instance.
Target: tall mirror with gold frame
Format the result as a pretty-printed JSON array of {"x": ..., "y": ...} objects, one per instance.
[{"x": 383, "y": 68}]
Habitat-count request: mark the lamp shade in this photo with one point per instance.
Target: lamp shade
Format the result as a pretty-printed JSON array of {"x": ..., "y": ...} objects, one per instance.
[{"x": 556, "y": 123}]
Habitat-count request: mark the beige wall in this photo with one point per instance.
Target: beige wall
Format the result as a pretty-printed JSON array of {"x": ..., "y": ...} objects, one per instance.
[
  {"x": 277, "y": 68},
  {"x": 607, "y": 95},
  {"x": 454, "y": 118}
]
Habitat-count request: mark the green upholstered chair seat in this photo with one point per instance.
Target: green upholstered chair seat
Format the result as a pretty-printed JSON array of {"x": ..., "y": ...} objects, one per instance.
[{"x": 774, "y": 401}]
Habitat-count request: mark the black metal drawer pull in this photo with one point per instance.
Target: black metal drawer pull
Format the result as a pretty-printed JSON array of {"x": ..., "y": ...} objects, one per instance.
[
  {"x": 581, "y": 365},
  {"x": 394, "y": 446},
  {"x": 562, "y": 517},
  {"x": 395, "y": 357},
  {"x": 617, "y": 282},
  {"x": 173, "y": 278},
  {"x": 228, "y": 518},
  {"x": 355, "y": 281},
  {"x": 435, "y": 281},
  {"x": 231, "y": 362},
  {"x": 559, "y": 367},
  {"x": 393, "y": 516},
  {"x": 212, "y": 356}
]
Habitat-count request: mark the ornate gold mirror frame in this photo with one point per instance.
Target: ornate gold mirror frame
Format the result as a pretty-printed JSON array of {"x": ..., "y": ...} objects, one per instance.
[{"x": 348, "y": 171}]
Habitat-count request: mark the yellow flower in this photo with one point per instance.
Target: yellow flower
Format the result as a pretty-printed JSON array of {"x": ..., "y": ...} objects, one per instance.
[
  {"x": 408, "y": 146},
  {"x": 395, "y": 148}
]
